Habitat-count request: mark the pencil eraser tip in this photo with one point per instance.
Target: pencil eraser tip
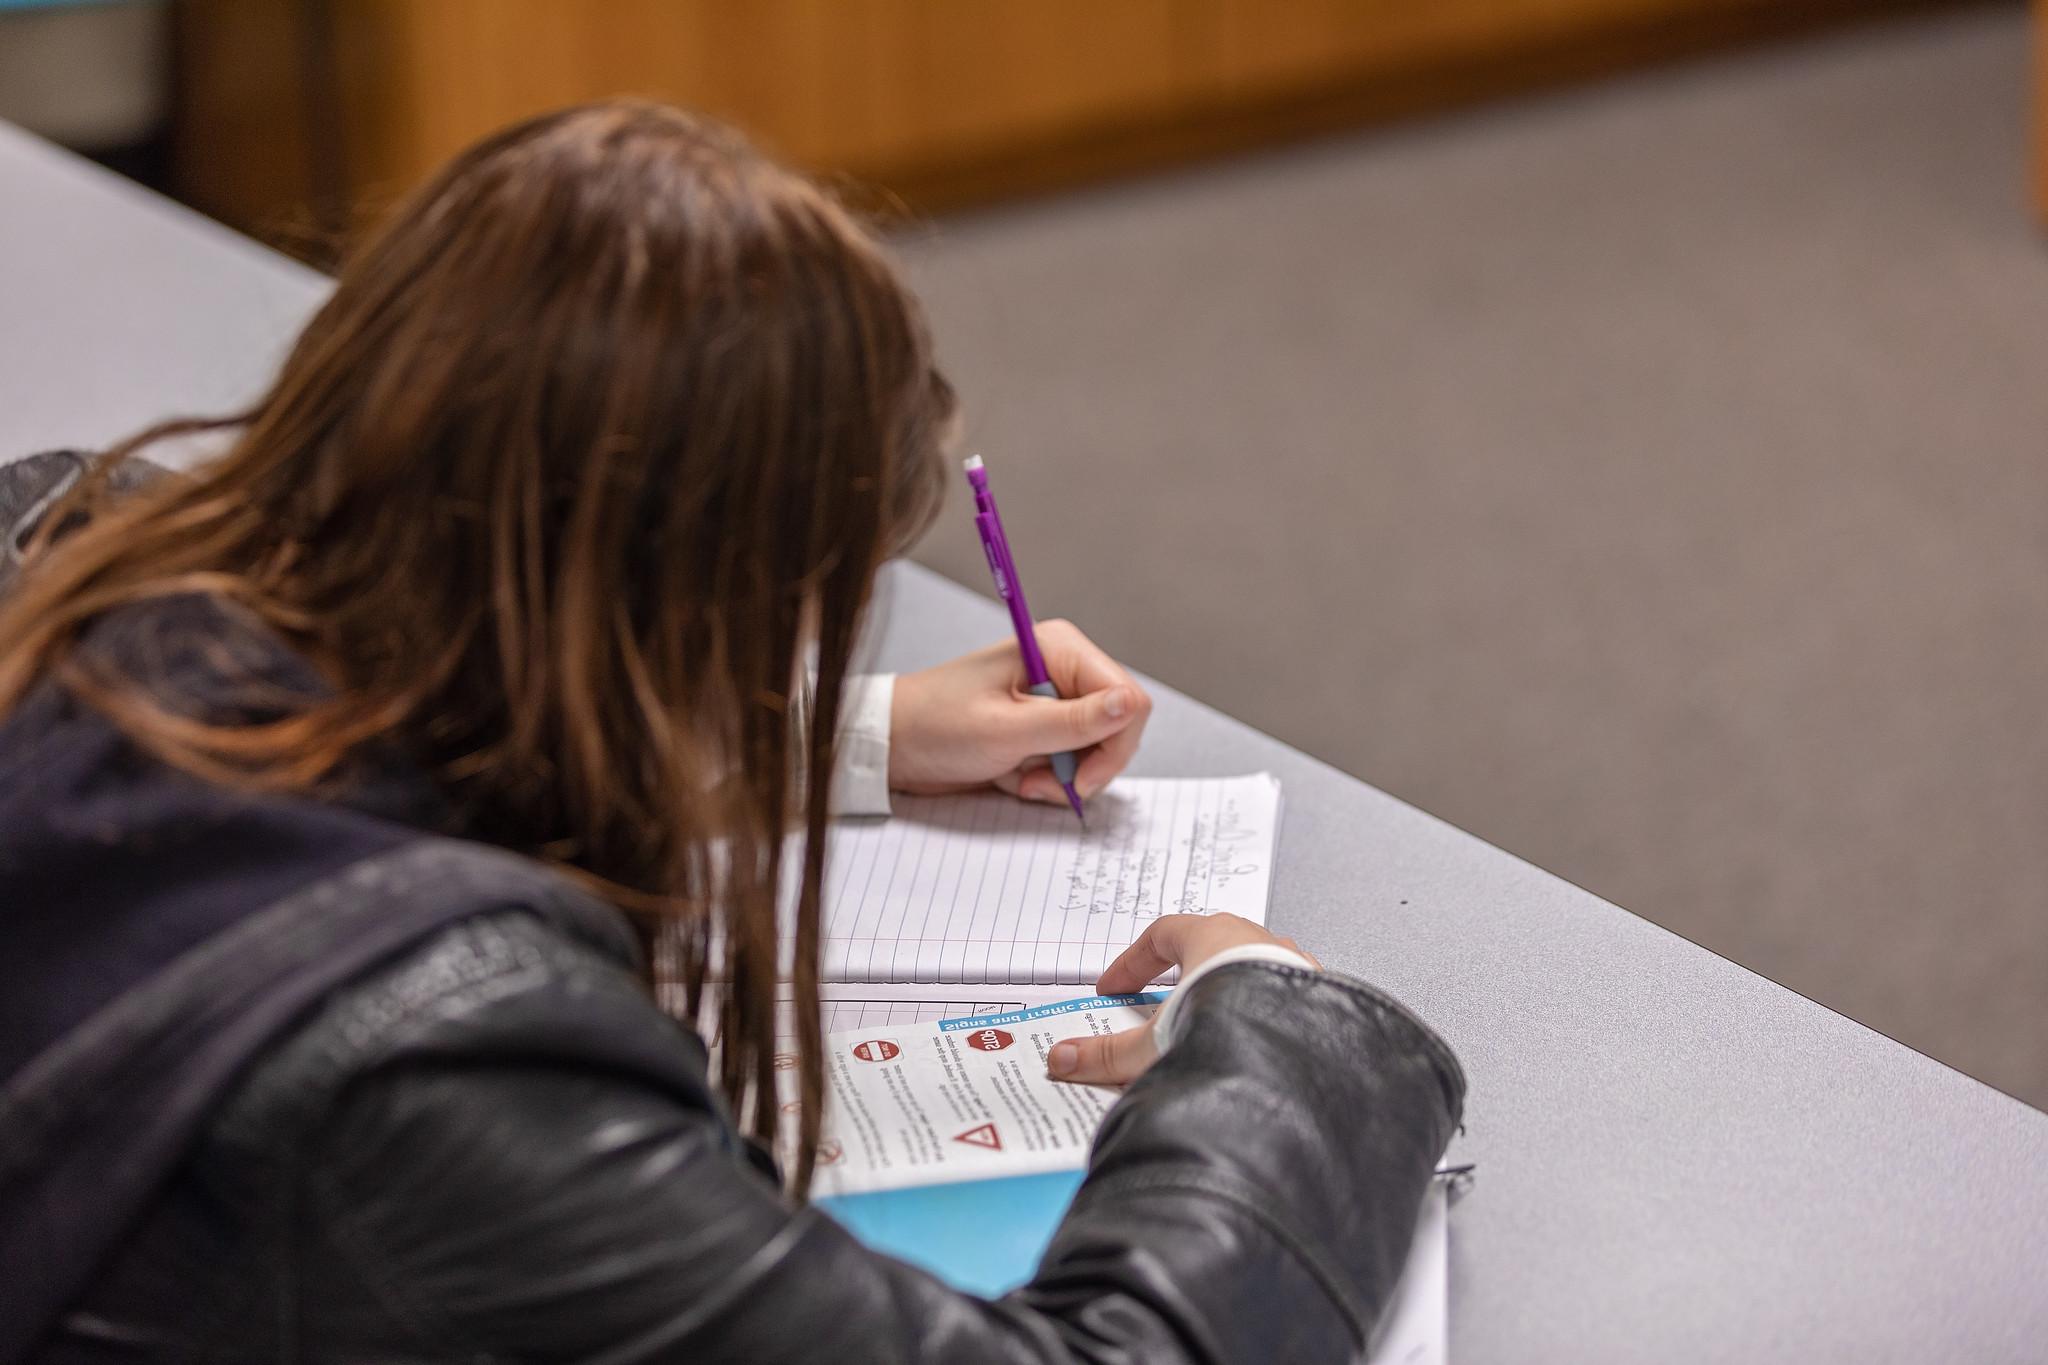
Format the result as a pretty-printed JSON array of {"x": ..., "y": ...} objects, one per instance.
[{"x": 973, "y": 462}]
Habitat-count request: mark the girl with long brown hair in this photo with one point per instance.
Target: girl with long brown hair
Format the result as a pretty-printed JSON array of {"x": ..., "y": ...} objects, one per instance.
[{"x": 355, "y": 787}]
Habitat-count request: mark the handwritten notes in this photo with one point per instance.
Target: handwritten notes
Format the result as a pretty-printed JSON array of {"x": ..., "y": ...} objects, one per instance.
[{"x": 983, "y": 888}]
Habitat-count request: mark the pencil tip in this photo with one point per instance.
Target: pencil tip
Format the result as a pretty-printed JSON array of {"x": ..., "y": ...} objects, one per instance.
[{"x": 1074, "y": 800}]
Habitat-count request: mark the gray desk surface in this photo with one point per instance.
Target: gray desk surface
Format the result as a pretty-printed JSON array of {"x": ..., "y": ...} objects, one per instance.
[{"x": 1678, "y": 1160}]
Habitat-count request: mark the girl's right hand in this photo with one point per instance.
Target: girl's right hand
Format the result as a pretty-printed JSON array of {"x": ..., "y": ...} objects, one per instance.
[{"x": 1184, "y": 941}]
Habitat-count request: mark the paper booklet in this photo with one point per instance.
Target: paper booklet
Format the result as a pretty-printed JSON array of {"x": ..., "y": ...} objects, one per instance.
[{"x": 946, "y": 1144}]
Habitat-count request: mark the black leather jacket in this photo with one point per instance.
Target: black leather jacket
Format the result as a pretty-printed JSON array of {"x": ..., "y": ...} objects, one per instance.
[
  {"x": 490, "y": 1144},
  {"x": 423, "y": 1171}
]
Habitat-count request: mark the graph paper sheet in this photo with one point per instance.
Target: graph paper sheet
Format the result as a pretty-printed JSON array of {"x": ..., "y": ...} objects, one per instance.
[{"x": 984, "y": 889}]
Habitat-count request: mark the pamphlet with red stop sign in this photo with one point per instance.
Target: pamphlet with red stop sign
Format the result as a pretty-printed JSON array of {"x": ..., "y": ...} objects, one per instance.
[
  {"x": 963, "y": 1099},
  {"x": 947, "y": 1145},
  {"x": 946, "y": 1142}
]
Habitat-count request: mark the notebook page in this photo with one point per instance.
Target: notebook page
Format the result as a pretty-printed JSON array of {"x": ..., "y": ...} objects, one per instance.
[
  {"x": 1416, "y": 1327},
  {"x": 985, "y": 889},
  {"x": 842, "y": 1007},
  {"x": 845, "y": 1007}
]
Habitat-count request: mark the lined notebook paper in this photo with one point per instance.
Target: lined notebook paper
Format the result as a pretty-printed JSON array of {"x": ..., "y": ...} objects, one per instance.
[
  {"x": 860, "y": 1006},
  {"x": 986, "y": 889},
  {"x": 844, "y": 1006}
]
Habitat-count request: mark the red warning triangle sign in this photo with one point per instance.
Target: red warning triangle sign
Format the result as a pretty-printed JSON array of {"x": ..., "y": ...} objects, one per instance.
[{"x": 983, "y": 1136}]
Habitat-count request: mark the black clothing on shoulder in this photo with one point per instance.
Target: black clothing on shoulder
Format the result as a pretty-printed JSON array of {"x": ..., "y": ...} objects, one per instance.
[{"x": 306, "y": 1078}]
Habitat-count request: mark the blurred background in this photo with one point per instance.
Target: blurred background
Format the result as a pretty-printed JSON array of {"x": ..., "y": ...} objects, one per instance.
[{"x": 1619, "y": 427}]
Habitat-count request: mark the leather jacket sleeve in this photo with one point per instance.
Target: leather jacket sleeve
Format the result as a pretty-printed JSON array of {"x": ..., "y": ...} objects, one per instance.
[
  {"x": 466, "y": 1179},
  {"x": 31, "y": 485}
]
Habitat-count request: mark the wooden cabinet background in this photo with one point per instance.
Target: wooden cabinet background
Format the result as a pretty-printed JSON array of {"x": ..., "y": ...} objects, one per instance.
[
  {"x": 2041, "y": 109},
  {"x": 939, "y": 101}
]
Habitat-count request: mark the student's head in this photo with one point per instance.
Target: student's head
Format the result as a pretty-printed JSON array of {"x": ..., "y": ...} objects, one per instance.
[{"x": 608, "y": 426}]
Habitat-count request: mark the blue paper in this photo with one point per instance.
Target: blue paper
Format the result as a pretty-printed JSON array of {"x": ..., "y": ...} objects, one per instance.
[{"x": 982, "y": 1236}]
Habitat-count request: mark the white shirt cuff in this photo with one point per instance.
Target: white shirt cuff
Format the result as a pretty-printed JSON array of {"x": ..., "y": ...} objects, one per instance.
[
  {"x": 860, "y": 778},
  {"x": 1167, "y": 1021}
]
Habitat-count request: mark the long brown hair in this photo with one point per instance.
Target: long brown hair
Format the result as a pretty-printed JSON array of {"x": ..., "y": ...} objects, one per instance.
[{"x": 608, "y": 425}]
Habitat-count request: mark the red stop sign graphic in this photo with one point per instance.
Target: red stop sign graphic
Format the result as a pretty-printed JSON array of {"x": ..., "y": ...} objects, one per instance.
[
  {"x": 989, "y": 1039},
  {"x": 876, "y": 1050}
]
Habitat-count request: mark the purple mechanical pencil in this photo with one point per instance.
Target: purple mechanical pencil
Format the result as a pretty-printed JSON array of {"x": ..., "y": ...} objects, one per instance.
[{"x": 996, "y": 546}]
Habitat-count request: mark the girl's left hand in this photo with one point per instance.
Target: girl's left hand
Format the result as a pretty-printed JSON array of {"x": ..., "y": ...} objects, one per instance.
[{"x": 970, "y": 723}]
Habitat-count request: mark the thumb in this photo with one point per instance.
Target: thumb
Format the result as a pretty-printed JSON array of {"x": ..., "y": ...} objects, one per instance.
[
  {"x": 1103, "y": 1059},
  {"x": 1054, "y": 726}
]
